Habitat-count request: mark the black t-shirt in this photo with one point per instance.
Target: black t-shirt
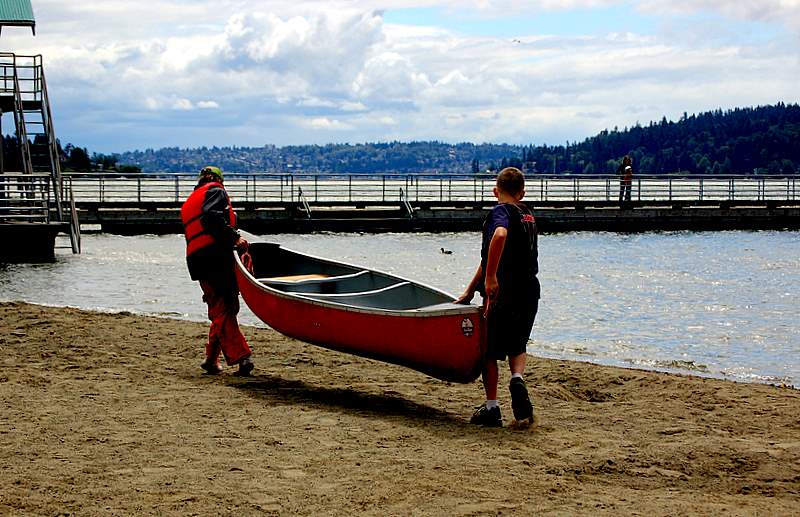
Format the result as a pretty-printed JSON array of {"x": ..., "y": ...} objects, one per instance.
[{"x": 519, "y": 263}]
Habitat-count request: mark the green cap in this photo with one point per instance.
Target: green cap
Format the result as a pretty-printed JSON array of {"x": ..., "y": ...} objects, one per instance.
[{"x": 211, "y": 170}]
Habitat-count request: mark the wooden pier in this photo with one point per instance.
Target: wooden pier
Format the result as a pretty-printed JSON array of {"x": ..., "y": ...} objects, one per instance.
[{"x": 305, "y": 203}]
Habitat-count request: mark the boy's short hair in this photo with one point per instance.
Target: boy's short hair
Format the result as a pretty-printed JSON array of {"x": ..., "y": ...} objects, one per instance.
[{"x": 511, "y": 181}]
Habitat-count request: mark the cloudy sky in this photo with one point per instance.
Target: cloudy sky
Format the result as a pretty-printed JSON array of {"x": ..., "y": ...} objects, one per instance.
[{"x": 128, "y": 75}]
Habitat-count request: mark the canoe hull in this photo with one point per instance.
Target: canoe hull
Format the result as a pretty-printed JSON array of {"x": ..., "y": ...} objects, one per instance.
[{"x": 447, "y": 345}]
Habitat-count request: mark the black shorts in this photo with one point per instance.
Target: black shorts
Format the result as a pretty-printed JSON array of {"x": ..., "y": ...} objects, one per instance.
[{"x": 509, "y": 325}]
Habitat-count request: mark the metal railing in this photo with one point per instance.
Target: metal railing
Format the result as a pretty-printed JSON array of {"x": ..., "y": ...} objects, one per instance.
[
  {"x": 406, "y": 205},
  {"x": 21, "y": 74},
  {"x": 13, "y": 76},
  {"x": 412, "y": 188},
  {"x": 304, "y": 203},
  {"x": 24, "y": 198}
]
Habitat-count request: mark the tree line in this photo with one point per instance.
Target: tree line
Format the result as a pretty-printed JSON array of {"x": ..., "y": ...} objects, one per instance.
[
  {"x": 755, "y": 140},
  {"x": 71, "y": 158}
]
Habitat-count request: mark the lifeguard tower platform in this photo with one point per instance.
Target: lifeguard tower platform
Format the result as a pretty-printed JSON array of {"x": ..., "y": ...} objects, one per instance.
[{"x": 34, "y": 206}]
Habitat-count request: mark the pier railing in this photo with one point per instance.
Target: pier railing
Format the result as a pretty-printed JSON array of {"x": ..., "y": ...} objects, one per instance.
[
  {"x": 24, "y": 198},
  {"x": 109, "y": 189}
]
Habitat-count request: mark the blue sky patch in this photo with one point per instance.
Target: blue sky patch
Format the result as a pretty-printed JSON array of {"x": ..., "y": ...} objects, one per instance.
[
  {"x": 576, "y": 22},
  {"x": 584, "y": 22}
]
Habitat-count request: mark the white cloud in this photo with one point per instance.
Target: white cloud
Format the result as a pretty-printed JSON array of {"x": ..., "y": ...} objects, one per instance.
[
  {"x": 157, "y": 103},
  {"x": 353, "y": 106},
  {"x": 325, "y": 123},
  {"x": 323, "y": 53},
  {"x": 389, "y": 78},
  {"x": 314, "y": 102},
  {"x": 182, "y": 105},
  {"x": 784, "y": 11}
]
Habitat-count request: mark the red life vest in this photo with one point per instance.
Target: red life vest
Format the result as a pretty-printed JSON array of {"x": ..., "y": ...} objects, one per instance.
[{"x": 197, "y": 237}]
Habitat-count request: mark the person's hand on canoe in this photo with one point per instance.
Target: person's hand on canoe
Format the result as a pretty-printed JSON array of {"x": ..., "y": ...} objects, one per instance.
[
  {"x": 241, "y": 245},
  {"x": 466, "y": 297}
]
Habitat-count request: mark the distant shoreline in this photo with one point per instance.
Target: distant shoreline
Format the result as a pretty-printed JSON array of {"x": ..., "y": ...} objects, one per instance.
[{"x": 739, "y": 140}]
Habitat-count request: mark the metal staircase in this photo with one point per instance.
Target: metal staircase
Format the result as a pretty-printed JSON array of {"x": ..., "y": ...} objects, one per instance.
[{"x": 23, "y": 91}]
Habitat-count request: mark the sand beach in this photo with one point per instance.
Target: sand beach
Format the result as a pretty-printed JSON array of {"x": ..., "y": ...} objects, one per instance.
[{"x": 108, "y": 414}]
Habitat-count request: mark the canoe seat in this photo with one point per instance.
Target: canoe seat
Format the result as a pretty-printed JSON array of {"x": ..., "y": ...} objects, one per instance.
[
  {"x": 350, "y": 283},
  {"x": 399, "y": 296},
  {"x": 293, "y": 278}
]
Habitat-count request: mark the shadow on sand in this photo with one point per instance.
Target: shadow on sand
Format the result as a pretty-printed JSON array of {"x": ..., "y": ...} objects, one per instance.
[{"x": 278, "y": 390}]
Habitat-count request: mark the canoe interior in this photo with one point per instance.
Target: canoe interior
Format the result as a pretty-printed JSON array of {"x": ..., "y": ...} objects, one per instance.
[
  {"x": 342, "y": 284},
  {"x": 363, "y": 312}
]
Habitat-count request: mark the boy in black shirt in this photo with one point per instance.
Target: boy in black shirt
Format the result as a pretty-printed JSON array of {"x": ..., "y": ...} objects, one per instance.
[{"x": 506, "y": 277}]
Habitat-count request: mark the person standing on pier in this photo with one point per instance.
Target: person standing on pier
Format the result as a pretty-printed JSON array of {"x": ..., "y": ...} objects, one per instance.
[
  {"x": 506, "y": 277},
  {"x": 625, "y": 173},
  {"x": 211, "y": 236}
]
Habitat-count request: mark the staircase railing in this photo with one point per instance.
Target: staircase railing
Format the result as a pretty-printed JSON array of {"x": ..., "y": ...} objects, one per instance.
[
  {"x": 406, "y": 204},
  {"x": 304, "y": 202},
  {"x": 49, "y": 129},
  {"x": 74, "y": 225}
]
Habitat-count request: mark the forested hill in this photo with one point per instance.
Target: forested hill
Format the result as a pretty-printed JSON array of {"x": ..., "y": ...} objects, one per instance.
[{"x": 765, "y": 139}]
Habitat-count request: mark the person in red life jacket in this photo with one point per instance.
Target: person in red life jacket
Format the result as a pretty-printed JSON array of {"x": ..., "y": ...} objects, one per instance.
[
  {"x": 506, "y": 277},
  {"x": 210, "y": 227}
]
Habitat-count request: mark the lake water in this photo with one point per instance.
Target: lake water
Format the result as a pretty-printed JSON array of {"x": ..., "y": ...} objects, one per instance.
[{"x": 722, "y": 304}]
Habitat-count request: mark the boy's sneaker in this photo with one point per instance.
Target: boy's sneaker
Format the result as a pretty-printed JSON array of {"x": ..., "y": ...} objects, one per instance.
[
  {"x": 245, "y": 367},
  {"x": 520, "y": 401},
  {"x": 211, "y": 367},
  {"x": 487, "y": 417}
]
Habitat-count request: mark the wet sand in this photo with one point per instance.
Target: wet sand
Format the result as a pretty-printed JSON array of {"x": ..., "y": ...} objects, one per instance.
[{"x": 108, "y": 414}]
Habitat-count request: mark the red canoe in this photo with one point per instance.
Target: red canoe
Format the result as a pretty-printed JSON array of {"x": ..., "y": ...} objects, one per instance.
[{"x": 363, "y": 312}]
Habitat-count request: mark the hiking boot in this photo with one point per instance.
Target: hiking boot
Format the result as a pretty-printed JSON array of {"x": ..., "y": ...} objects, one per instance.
[
  {"x": 487, "y": 417},
  {"x": 520, "y": 401},
  {"x": 211, "y": 367},
  {"x": 245, "y": 367}
]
